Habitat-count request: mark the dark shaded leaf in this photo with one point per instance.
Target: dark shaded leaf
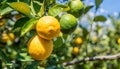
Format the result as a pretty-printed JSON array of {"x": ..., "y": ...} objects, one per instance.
[
  {"x": 36, "y": 6},
  {"x": 4, "y": 57},
  {"x": 97, "y": 3},
  {"x": 100, "y": 18},
  {"x": 0, "y": 64},
  {"x": 20, "y": 22},
  {"x": 58, "y": 42},
  {"x": 33, "y": 65},
  {"x": 88, "y": 8},
  {"x": 3, "y": 5}
]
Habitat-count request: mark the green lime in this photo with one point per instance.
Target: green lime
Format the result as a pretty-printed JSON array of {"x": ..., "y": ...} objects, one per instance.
[
  {"x": 76, "y": 7},
  {"x": 68, "y": 23}
]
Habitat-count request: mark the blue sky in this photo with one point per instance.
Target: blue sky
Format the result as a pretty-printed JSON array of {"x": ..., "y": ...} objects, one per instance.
[
  {"x": 107, "y": 7},
  {"x": 111, "y": 5}
]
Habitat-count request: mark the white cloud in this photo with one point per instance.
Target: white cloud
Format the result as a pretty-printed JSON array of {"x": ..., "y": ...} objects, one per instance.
[
  {"x": 115, "y": 13},
  {"x": 91, "y": 14}
]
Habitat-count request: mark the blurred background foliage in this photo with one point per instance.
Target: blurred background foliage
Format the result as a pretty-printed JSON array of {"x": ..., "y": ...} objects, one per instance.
[{"x": 95, "y": 37}]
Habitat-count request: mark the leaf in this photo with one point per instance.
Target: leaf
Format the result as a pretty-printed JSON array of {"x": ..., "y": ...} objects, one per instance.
[
  {"x": 36, "y": 6},
  {"x": 28, "y": 26},
  {"x": 100, "y": 18},
  {"x": 3, "y": 5},
  {"x": 5, "y": 11},
  {"x": 58, "y": 43},
  {"x": 33, "y": 65},
  {"x": 20, "y": 22},
  {"x": 21, "y": 7},
  {"x": 97, "y": 3},
  {"x": 4, "y": 57},
  {"x": 0, "y": 64},
  {"x": 41, "y": 12},
  {"x": 55, "y": 10},
  {"x": 88, "y": 8}
]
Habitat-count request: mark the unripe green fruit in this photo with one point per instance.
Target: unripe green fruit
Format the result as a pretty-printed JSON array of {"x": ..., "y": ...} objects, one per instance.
[
  {"x": 76, "y": 7},
  {"x": 68, "y": 23}
]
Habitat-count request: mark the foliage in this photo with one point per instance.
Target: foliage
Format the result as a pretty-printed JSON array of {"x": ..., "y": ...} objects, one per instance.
[{"x": 97, "y": 41}]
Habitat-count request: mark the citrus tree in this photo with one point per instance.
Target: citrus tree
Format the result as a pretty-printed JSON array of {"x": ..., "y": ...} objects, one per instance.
[{"x": 50, "y": 34}]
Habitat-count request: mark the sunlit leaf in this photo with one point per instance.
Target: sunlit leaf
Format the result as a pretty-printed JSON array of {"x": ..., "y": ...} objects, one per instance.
[
  {"x": 28, "y": 26},
  {"x": 5, "y": 11},
  {"x": 100, "y": 18},
  {"x": 57, "y": 9},
  {"x": 21, "y": 7}
]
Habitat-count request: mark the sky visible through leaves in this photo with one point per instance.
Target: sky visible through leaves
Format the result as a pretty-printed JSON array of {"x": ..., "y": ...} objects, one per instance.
[{"x": 107, "y": 7}]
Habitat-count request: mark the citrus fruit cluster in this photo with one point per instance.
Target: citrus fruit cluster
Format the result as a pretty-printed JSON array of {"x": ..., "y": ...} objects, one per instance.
[
  {"x": 48, "y": 27},
  {"x": 8, "y": 37},
  {"x": 40, "y": 46}
]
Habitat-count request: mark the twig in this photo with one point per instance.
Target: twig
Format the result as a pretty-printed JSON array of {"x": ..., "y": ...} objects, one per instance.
[{"x": 109, "y": 57}]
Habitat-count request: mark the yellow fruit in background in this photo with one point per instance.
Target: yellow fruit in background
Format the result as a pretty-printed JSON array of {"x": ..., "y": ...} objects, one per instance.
[
  {"x": 48, "y": 27},
  {"x": 0, "y": 16},
  {"x": 95, "y": 38},
  {"x": 39, "y": 48},
  {"x": 2, "y": 22},
  {"x": 78, "y": 40},
  {"x": 11, "y": 36},
  {"x": 118, "y": 41},
  {"x": 75, "y": 50},
  {"x": 7, "y": 37}
]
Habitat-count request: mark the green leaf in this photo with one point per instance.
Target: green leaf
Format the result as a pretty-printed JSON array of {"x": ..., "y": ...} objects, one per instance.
[
  {"x": 3, "y": 5},
  {"x": 100, "y": 18},
  {"x": 88, "y": 8},
  {"x": 28, "y": 26},
  {"x": 5, "y": 11},
  {"x": 33, "y": 65},
  {"x": 41, "y": 12},
  {"x": 58, "y": 42},
  {"x": 97, "y": 3},
  {"x": 57, "y": 9},
  {"x": 0, "y": 64},
  {"x": 36, "y": 6},
  {"x": 20, "y": 7},
  {"x": 4, "y": 57},
  {"x": 19, "y": 23}
]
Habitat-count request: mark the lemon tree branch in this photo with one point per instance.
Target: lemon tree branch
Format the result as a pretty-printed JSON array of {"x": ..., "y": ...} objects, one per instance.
[{"x": 109, "y": 57}]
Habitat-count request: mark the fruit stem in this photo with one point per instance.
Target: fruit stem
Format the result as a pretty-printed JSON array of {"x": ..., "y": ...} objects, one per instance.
[{"x": 89, "y": 34}]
